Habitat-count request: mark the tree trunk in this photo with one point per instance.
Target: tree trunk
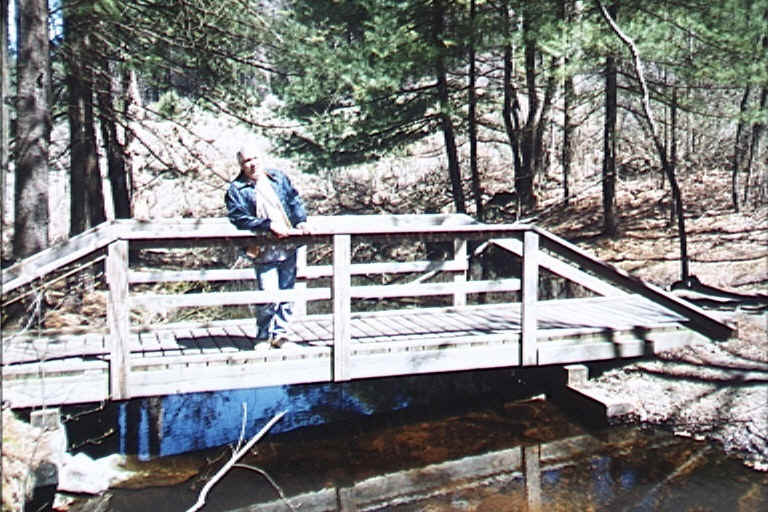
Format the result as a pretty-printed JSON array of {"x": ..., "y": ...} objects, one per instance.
[
  {"x": 567, "y": 154},
  {"x": 610, "y": 225},
  {"x": 738, "y": 149},
  {"x": 672, "y": 144},
  {"x": 754, "y": 145},
  {"x": 86, "y": 197},
  {"x": 474, "y": 171},
  {"x": 33, "y": 129},
  {"x": 542, "y": 122},
  {"x": 454, "y": 170},
  {"x": 511, "y": 106},
  {"x": 533, "y": 133},
  {"x": 759, "y": 127},
  {"x": 568, "y": 93},
  {"x": 660, "y": 150},
  {"x": 524, "y": 180},
  {"x": 115, "y": 151},
  {"x": 5, "y": 110}
]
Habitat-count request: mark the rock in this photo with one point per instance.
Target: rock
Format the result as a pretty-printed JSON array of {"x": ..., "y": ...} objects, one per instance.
[
  {"x": 82, "y": 474},
  {"x": 30, "y": 459}
]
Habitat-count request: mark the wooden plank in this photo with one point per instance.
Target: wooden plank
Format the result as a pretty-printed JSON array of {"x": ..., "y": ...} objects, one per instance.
[
  {"x": 304, "y": 332},
  {"x": 563, "y": 269},
  {"x": 432, "y": 289},
  {"x": 373, "y": 332},
  {"x": 31, "y": 349},
  {"x": 455, "y": 323},
  {"x": 400, "y": 267},
  {"x": 189, "y": 379},
  {"x": 430, "y": 324},
  {"x": 53, "y": 258},
  {"x": 240, "y": 339},
  {"x": 227, "y": 298},
  {"x": 64, "y": 390},
  {"x": 530, "y": 297},
  {"x": 386, "y": 328},
  {"x": 306, "y": 272},
  {"x": 118, "y": 319},
  {"x": 409, "y": 341},
  {"x": 148, "y": 344},
  {"x": 322, "y": 329},
  {"x": 174, "y": 276},
  {"x": 47, "y": 369},
  {"x": 323, "y": 228},
  {"x": 616, "y": 346},
  {"x": 385, "y": 364},
  {"x": 342, "y": 306}
]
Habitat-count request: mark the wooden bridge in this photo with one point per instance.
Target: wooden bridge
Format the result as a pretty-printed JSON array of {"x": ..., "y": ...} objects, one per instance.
[{"x": 360, "y": 308}]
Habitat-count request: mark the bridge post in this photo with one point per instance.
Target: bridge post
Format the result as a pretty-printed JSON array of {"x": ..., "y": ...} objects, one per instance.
[
  {"x": 342, "y": 306},
  {"x": 528, "y": 349},
  {"x": 300, "y": 305},
  {"x": 118, "y": 319},
  {"x": 460, "y": 257}
]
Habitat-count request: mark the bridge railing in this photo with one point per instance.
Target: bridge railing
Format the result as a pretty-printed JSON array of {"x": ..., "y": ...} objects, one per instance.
[
  {"x": 535, "y": 249},
  {"x": 338, "y": 234}
]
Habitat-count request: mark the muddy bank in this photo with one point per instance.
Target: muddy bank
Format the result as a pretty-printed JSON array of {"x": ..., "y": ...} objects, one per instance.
[{"x": 713, "y": 391}]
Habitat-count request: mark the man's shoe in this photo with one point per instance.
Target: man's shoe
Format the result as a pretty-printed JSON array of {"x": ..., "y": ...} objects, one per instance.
[{"x": 277, "y": 340}]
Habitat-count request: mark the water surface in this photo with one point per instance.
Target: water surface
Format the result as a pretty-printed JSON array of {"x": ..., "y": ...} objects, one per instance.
[{"x": 523, "y": 455}]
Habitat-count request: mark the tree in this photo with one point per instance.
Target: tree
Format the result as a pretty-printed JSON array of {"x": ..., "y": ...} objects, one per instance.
[
  {"x": 86, "y": 198},
  {"x": 444, "y": 97},
  {"x": 364, "y": 78},
  {"x": 472, "y": 112},
  {"x": 610, "y": 224},
  {"x": 33, "y": 130},
  {"x": 660, "y": 149},
  {"x": 5, "y": 108},
  {"x": 567, "y": 15}
]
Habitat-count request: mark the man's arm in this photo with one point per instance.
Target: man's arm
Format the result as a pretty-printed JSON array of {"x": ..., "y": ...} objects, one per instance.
[{"x": 240, "y": 213}]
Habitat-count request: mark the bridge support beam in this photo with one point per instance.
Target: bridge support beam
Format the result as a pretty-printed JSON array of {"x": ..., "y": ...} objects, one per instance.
[
  {"x": 118, "y": 319},
  {"x": 460, "y": 278},
  {"x": 528, "y": 350},
  {"x": 342, "y": 306},
  {"x": 573, "y": 393}
]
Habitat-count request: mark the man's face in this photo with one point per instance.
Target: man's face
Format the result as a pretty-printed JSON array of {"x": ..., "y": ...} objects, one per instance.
[{"x": 251, "y": 167}]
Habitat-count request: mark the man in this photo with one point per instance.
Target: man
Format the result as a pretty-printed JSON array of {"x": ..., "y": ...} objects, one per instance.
[{"x": 261, "y": 200}]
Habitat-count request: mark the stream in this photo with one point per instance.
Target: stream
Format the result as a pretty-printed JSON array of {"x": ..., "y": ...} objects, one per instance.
[{"x": 484, "y": 456}]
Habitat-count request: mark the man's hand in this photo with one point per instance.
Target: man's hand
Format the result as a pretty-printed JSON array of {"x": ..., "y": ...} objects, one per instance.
[
  {"x": 304, "y": 228},
  {"x": 300, "y": 229},
  {"x": 279, "y": 231}
]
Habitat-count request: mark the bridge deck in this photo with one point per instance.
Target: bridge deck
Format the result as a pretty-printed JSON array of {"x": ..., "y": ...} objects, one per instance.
[{"x": 225, "y": 355}]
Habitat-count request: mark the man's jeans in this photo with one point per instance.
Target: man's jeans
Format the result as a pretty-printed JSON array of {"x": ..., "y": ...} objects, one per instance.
[{"x": 272, "y": 319}]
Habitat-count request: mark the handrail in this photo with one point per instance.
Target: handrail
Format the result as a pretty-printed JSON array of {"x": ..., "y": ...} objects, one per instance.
[
  {"x": 701, "y": 321},
  {"x": 120, "y": 236},
  {"x": 163, "y": 232}
]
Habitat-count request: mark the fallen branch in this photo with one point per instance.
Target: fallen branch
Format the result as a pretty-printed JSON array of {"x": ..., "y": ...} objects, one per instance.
[{"x": 235, "y": 457}]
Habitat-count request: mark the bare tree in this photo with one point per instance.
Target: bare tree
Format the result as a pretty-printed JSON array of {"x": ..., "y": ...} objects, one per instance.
[
  {"x": 610, "y": 225},
  {"x": 659, "y": 145}
]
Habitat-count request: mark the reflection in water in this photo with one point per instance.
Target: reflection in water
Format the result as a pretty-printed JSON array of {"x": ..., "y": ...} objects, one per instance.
[
  {"x": 513, "y": 456},
  {"x": 175, "y": 424}
]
